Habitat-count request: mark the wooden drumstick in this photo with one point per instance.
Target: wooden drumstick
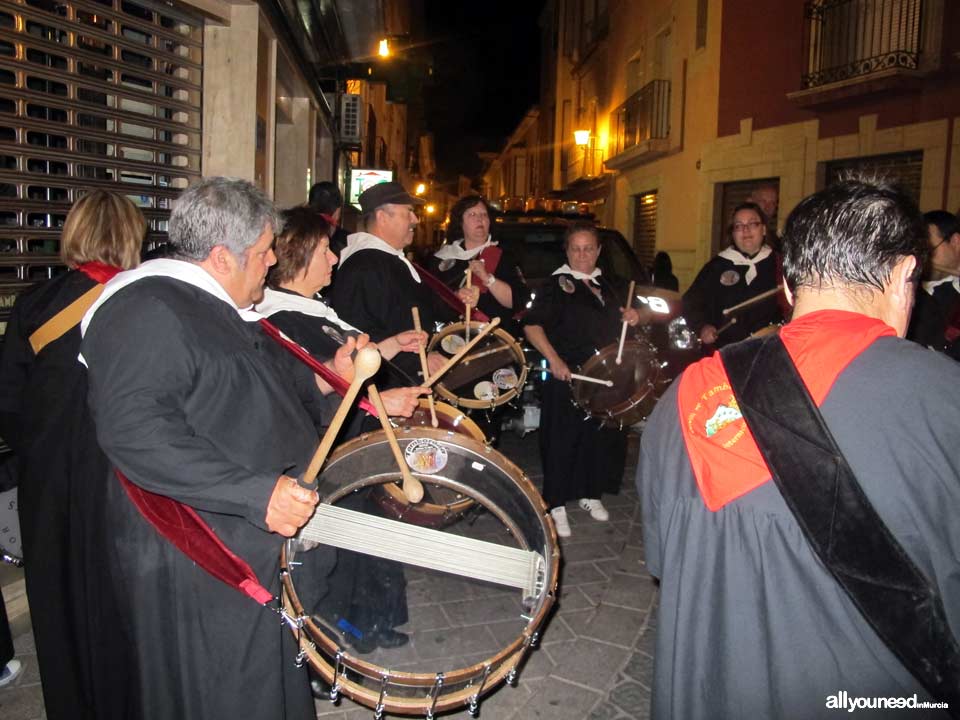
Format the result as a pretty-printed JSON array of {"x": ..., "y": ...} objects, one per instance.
[
  {"x": 467, "y": 313},
  {"x": 727, "y": 326},
  {"x": 423, "y": 366},
  {"x": 751, "y": 301},
  {"x": 584, "y": 378},
  {"x": 412, "y": 488},
  {"x": 623, "y": 330},
  {"x": 463, "y": 351},
  {"x": 365, "y": 366}
]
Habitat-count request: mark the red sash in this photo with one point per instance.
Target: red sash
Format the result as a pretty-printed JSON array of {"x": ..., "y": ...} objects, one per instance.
[
  {"x": 448, "y": 295},
  {"x": 725, "y": 459},
  {"x": 491, "y": 260}
]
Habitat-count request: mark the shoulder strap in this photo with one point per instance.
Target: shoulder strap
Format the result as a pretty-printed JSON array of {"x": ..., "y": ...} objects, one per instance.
[
  {"x": 61, "y": 323},
  {"x": 838, "y": 520}
]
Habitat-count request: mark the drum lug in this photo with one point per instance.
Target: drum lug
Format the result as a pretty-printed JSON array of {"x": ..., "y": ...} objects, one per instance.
[
  {"x": 337, "y": 672},
  {"x": 512, "y": 677},
  {"x": 378, "y": 710},
  {"x": 435, "y": 695},
  {"x": 474, "y": 706},
  {"x": 535, "y": 640}
]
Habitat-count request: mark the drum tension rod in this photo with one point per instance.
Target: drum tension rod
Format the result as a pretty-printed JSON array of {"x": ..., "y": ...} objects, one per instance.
[
  {"x": 335, "y": 685},
  {"x": 434, "y": 695},
  {"x": 474, "y": 707},
  {"x": 378, "y": 711}
]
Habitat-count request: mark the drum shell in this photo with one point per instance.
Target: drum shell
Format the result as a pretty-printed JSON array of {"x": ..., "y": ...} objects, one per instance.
[
  {"x": 498, "y": 485},
  {"x": 636, "y": 383}
]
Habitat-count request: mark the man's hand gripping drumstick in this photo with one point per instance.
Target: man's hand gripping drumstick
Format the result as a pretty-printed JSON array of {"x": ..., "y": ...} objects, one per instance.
[
  {"x": 462, "y": 351},
  {"x": 412, "y": 488},
  {"x": 293, "y": 500},
  {"x": 424, "y": 366}
]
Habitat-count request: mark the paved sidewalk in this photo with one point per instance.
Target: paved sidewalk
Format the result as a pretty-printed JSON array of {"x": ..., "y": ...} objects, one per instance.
[{"x": 595, "y": 659}]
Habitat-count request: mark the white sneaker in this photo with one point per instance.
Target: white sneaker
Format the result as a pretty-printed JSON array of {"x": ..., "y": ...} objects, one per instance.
[
  {"x": 559, "y": 515},
  {"x": 10, "y": 672},
  {"x": 596, "y": 509}
]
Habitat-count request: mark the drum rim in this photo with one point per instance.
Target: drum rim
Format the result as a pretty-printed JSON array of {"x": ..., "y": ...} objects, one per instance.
[
  {"x": 500, "y": 668},
  {"x": 473, "y": 403},
  {"x": 623, "y": 408}
]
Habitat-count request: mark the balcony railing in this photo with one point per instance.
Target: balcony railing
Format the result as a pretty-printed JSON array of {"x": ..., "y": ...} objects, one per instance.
[
  {"x": 644, "y": 116},
  {"x": 847, "y": 39}
]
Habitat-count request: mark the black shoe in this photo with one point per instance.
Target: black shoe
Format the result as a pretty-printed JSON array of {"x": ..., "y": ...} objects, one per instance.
[
  {"x": 319, "y": 688},
  {"x": 389, "y": 638}
]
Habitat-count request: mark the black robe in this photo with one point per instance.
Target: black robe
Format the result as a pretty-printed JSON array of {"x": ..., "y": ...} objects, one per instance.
[
  {"x": 375, "y": 291},
  {"x": 190, "y": 403},
  {"x": 581, "y": 459},
  {"x": 934, "y": 314},
  {"x": 451, "y": 272},
  {"x": 751, "y": 624},
  {"x": 81, "y": 648},
  {"x": 719, "y": 285}
]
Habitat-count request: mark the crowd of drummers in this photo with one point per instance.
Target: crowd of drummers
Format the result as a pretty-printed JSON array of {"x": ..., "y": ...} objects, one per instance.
[{"x": 165, "y": 415}]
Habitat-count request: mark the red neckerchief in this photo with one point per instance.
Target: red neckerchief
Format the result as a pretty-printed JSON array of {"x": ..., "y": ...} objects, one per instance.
[
  {"x": 723, "y": 454},
  {"x": 98, "y": 272},
  {"x": 490, "y": 256},
  {"x": 330, "y": 221}
]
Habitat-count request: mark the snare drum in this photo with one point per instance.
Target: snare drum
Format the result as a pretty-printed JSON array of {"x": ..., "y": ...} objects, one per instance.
[
  {"x": 11, "y": 550},
  {"x": 635, "y": 388},
  {"x": 491, "y": 374},
  {"x": 443, "y": 505},
  {"x": 504, "y": 563}
]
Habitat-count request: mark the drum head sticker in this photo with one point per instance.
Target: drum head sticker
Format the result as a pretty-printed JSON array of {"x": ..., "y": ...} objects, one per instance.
[
  {"x": 730, "y": 277},
  {"x": 485, "y": 391},
  {"x": 505, "y": 378},
  {"x": 451, "y": 344},
  {"x": 426, "y": 456},
  {"x": 447, "y": 264},
  {"x": 566, "y": 284}
]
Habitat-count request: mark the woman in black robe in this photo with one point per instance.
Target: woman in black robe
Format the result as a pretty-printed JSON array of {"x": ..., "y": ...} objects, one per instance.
[
  {"x": 367, "y": 597},
  {"x": 573, "y": 316},
  {"x": 44, "y": 419}
]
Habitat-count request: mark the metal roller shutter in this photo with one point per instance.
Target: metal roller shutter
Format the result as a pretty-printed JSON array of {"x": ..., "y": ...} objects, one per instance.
[
  {"x": 645, "y": 227},
  {"x": 93, "y": 94},
  {"x": 904, "y": 169}
]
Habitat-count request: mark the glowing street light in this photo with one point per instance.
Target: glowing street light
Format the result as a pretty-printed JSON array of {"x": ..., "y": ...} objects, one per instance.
[
  {"x": 384, "y": 49},
  {"x": 421, "y": 189},
  {"x": 581, "y": 137},
  {"x": 431, "y": 209}
]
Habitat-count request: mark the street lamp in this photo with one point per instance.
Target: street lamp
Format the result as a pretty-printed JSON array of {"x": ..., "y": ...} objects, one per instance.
[
  {"x": 421, "y": 189},
  {"x": 431, "y": 209},
  {"x": 384, "y": 49},
  {"x": 581, "y": 137}
]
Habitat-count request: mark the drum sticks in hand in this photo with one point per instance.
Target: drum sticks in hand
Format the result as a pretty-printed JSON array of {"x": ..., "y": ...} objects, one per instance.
[
  {"x": 423, "y": 366},
  {"x": 623, "y": 330},
  {"x": 412, "y": 488},
  {"x": 463, "y": 351}
]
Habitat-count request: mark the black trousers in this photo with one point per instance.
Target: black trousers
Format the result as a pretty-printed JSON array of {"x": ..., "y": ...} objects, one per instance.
[
  {"x": 580, "y": 458},
  {"x": 6, "y": 637}
]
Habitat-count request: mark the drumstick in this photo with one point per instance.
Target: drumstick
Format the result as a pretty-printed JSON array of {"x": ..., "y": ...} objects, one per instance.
[
  {"x": 462, "y": 351},
  {"x": 584, "y": 378},
  {"x": 423, "y": 365},
  {"x": 733, "y": 321},
  {"x": 623, "y": 330},
  {"x": 467, "y": 314},
  {"x": 365, "y": 365},
  {"x": 412, "y": 487},
  {"x": 754, "y": 299}
]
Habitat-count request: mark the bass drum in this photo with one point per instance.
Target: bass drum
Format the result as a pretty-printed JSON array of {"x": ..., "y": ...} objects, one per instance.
[
  {"x": 636, "y": 383},
  {"x": 478, "y": 592},
  {"x": 11, "y": 550},
  {"x": 492, "y": 374},
  {"x": 443, "y": 505}
]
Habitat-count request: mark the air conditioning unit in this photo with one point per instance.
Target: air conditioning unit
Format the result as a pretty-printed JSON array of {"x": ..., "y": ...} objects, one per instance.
[{"x": 351, "y": 119}]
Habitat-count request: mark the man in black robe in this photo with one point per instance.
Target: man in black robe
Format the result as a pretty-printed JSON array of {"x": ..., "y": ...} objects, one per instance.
[
  {"x": 190, "y": 404},
  {"x": 936, "y": 317},
  {"x": 752, "y": 624},
  {"x": 377, "y": 286}
]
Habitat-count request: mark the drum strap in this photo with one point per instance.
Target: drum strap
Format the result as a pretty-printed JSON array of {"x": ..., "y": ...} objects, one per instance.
[
  {"x": 448, "y": 296},
  {"x": 65, "y": 320},
  {"x": 338, "y": 383},
  {"x": 841, "y": 525}
]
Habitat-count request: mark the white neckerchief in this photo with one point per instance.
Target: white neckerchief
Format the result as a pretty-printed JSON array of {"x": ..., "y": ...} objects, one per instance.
[
  {"x": 567, "y": 270},
  {"x": 456, "y": 251},
  {"x": 275, "y": 301},
  {"x": 181, "y": 270},
  {"x": 366, "y": 241},
  {"x": 738, "y": 258},
  {"x": 931, "y": 285}
]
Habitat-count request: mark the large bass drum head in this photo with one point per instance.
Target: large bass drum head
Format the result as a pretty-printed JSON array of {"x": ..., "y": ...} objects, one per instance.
[
  {"x": 471, "y": 615},
  {"x": 633, "y": 393}
]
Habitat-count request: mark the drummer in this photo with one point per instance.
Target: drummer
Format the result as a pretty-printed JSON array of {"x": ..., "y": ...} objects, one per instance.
[
  {"x": 745, "y": 269},
  {"x": 494, "y": 269},
  {"x": 578, "y": 312}
]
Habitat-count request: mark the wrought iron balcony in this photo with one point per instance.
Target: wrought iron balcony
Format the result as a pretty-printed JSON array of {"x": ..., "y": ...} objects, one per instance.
[
  {"x": 851, "y": 39},
  {"x": 644, "y": 116}
]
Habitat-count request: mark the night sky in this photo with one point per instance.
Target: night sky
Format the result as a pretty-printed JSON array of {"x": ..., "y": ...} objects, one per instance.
[{"x": 487, "y": 70}]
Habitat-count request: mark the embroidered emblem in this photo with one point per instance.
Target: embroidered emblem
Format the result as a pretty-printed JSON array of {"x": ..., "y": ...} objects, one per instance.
[
  {"x": 566, "y": 284},
  {"x": 425, "y": 456},
  {"x": 446, "y": 264},
  {"x": 730, "y": 277},
  {"x": 724, "y": 415}
]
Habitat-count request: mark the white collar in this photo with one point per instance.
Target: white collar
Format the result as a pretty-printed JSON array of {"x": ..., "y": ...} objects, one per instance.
[
  {"x": 738, "y": 258},
  {"x": 567, "y": 270},
  {"x": 275, "y": 301},
  {"x": 366, "y": 241},
  {"x": 930, "y": 285},
  {"x": 187, "y": 272},
  {"x": 456, "y": 251}
]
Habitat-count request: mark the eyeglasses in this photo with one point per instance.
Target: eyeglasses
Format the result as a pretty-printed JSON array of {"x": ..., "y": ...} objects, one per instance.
[
  {"x": 740, "y": 227},
  {"x": 476, "y": 216}
]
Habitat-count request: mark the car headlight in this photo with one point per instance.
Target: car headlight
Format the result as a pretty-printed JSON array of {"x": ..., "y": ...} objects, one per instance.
[{"x": 682, "y": 337}]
